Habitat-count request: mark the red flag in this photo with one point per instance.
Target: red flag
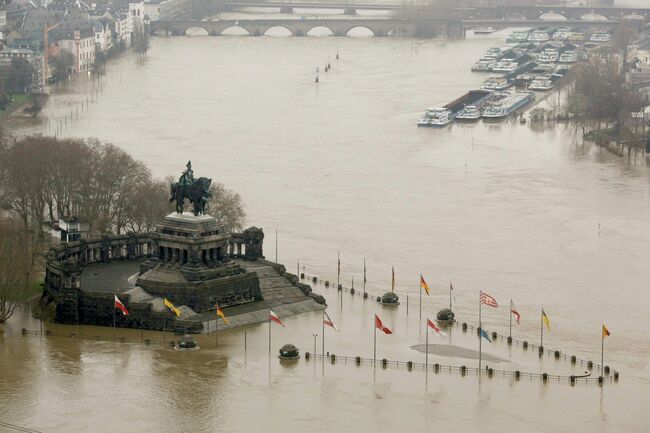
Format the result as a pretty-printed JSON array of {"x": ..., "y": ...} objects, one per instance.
[
  {"x": 433, "y": 326},
  {"x": 380, "y": 325},
  {"x": 274, "y": 317},
  {"x": 488, "y": 300},
  {"x": 120, "y": 306},
  {"x": 329, "y": 321},
  {"x": 514, "y": 311}
]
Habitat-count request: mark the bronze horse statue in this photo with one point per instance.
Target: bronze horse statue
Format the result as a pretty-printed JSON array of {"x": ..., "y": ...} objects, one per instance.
[{"x": 198, "y": 193}]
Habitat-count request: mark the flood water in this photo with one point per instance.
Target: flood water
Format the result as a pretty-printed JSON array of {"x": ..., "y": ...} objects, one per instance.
[{"x": 528, "y": 213}]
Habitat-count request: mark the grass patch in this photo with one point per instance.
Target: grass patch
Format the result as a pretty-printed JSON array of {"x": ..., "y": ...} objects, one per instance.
[{"x": 25, "y": 294}]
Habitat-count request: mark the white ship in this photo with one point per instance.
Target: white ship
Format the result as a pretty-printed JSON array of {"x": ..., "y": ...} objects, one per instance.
[
  {"x": 539, "y": 36},
  {"x": 542, "y": 82},
  {"x": 600, "y": 37},
  {"x": 469, "y": 113},
  {"x": 508, "y": 105},
  {"x": 484, "y": 30},
  {"x": 496, "y": 83},
  {"x": 568, "y": 57},
  {"x": 506, "y": 66},
  {"x": 436, "y": 117},
  {"x": 484, "y": 65}
]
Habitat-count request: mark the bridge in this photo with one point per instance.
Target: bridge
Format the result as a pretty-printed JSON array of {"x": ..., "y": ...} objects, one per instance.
[
  {"x": 301, "y": 27},
  {"x": 452, "y": 29},
  {"x": 494, "y": 12}
]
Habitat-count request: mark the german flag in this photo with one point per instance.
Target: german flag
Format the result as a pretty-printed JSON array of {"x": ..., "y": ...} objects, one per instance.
[{"x": 424, "y": 285}]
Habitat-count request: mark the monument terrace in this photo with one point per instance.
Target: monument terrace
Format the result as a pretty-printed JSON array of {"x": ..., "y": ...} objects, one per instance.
[{"x": 187, "y": 262}]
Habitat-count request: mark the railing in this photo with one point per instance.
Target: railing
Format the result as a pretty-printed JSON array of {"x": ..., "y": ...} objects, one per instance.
[{"x": 524, "y": 344}]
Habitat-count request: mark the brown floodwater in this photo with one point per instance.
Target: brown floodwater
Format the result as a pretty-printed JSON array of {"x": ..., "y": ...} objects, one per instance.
[{"x": 525, "y": 213}]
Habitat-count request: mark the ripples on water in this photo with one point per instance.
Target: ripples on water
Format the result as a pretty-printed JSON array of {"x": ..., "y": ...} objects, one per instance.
[{"x": 508, "y": 208}]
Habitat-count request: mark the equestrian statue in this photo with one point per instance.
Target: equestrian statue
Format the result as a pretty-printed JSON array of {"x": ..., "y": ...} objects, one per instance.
[{"x": 197, "y": 191}]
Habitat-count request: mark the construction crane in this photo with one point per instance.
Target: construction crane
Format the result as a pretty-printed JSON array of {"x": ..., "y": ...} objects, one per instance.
[{"x": 46, "y": 47}]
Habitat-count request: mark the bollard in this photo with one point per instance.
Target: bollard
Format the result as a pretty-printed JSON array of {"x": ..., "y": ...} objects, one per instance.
[
  {"x": 509, "y": 341},
  {"x": 607, "y": 369},
  {"x": 365, "y": 295},
  {"x": 121, "y": 339},
  {"x": 478, "y": 331},
  {"x": 409, "y": 365},
  {"x": 464, "y": 327},
  {"x": 541, "y": 350},
  {"x": 48, "y": 332},
  {"x": 73, "y": 335},
  {"x": 98, "y": 337},
  {"x": 172, "y": 343},
  {"x": 463, "y": 370},
  {"x": 306, "y": 356},
  {"x": 490, "y": 372},
  {"x": 147, "y": 341},
  {"x": 517, "y": 374},
  {"x": 590, "y": 365},
  {"x": 302, "y": 275},
  {"x": 616, "y": 376},
  {"x": 378, "y": 298},
  {"x": 573, "y": 359},
  {"x": 600, "y": 380},
  {"x": 333, "y": 358},
  {"x": 327, "y": 283},
  {"x": 494, "y": 335},
  {"x": 557, "y": 354},
  {"x": 352, "y": 291},
  {"x": 24, "y": 331},
  {"x": 384, "y": 362},
  {"x": 315, "y": 279},
  {"x": 340, "y": 287},
  {"x": 544, "y": 377},
  {"x": 525, "y": 344},
  {"x": 436, "y": 367},
  {"x": 358, "y": 360},
  {"x": 572, "y": 378}
]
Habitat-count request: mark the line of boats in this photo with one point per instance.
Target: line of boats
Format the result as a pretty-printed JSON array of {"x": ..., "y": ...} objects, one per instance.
[{"x": 474, "y": 105}]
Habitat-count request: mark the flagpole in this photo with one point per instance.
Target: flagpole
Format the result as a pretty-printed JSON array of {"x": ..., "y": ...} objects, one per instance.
[
  {"x": 374, "y": 353},
  {"x": 420, "y": 296},
  {"x": 510, "y": 319},
  {"x": 602, "y": 351},
  {"x": 216, "y": 327},
  {"x": 450, "y": 295},
  {"x": 480, "y": 337},
  {"x": 364, "y": 277},
  {"x": 426, "y": 353},
  {"x": 541, "y": 327},
  {"x": 269, "y": 334},
  {"x": 113, "y": 319},
  {"x": 323, "y": 339},
  {"x": 276, "y": 245}
]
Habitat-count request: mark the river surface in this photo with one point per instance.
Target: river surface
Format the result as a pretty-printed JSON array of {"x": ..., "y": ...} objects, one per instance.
[{"x": 528, "y": 213}]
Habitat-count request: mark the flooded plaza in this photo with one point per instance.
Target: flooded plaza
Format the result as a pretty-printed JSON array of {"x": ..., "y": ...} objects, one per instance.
[{"x": 523, "y": 212}]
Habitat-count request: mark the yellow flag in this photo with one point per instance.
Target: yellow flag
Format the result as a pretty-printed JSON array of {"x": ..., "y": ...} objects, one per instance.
[
  {"x": 547, "y": 321},
  {"x": 606, "y": 332},
  {"x": 172, "y": 307},
  {"x": 223, "y": 316}
]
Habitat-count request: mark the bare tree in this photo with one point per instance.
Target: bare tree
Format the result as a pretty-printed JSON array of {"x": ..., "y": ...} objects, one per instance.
[
  {"x": 226, "y": 207},
  {"x": 16, "y": 266}
]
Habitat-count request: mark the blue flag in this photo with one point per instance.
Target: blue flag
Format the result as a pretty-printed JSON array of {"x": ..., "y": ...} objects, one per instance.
[{"x": 485, "y": 335}]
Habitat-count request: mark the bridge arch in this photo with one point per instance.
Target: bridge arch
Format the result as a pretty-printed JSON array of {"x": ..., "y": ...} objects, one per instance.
[
  {"x": 235, "y": 30},
  {"x": 552, "y": 16},
  {"x": 320, "y": 31},
  {"x": 196, "y": 30},
  {"x": 359, "y": 31},
  {"x": 593, "y": 17},
  {"x": 278, "y": 31}
]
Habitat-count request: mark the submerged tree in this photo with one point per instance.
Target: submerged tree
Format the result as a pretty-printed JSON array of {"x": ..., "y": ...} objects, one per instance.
[{"x": 16, "y": 266}]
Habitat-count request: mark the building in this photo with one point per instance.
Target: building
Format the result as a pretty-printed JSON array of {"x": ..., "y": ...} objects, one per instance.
[
  {"x": 162, "y": 10},
  {"x": 7, "y": 55},
  {"x": 103, "y": 35},
  {"x": 69, "y": 229},
  {"x": 3, "y": 20},
  {"x": 80, "y": 42}
]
